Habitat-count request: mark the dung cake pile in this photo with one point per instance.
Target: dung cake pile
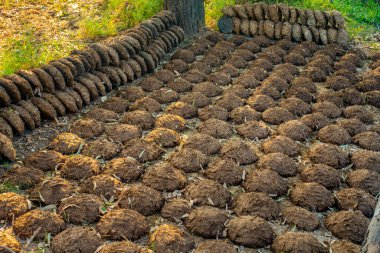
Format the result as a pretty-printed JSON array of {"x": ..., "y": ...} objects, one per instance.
[
  {"x": 66, "y": 85},
  {"x": 279, "y": 21},
  {"x": 236, "y": 144}
]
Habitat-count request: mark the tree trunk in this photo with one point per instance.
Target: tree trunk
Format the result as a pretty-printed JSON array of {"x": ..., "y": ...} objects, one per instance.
[
  {"x": 372, "y": 242},
  {"x": 190, "y": 14}
]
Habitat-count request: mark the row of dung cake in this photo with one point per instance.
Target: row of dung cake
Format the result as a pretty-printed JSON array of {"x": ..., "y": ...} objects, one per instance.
[
  {"x": 286, "y": 30},
  {"x": 153, "y": 36},
  {"x": 283, "y": 13},
  {"x": 66, "y": 85},
  {"x": 283, "y": 22}
]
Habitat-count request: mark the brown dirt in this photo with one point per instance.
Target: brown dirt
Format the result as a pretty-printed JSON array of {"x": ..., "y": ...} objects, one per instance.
[
  {"x": 277, "y": 115},
  {"x": 12, "y": 205},
  {"x": 215, "y": 246},
  {"x": 101, "y": 185},
  {"x": 297, "y": 242},
  {"x": 312, "y": 196},
  {"x": 334, "y": 134},
  {"x": 322, "y": 174},
  {"x": 352, "y": 126},
  {"x": 368, "y": 140},
  {"x": 267, "y": 181},
  {"x": 215, "y": 128},
  {"x": 51, "y": 191},
  {"x": 122, "y": 224},
  {"x": 66, "y": 143},
  {"x": 213, "y": 111},
  {"x": 207, "y": 222},
  {"x": 365, "y": 179},
  {"x": 253, "y": 130},
  {"x": 224, "y": 172},
  {"x": 256, "y": 204},
  {"x": 81, "y": 209},
  {"x": 294, "y": 129},
  {"x": 238, "y": 151},
  {"x": 176, "y": 209},
  {"x": 163, "y": 137},
  {"x": 26, "y": 225},
  {"x": 171, "y": 239},
  {"x": 122, "y": 246},
  {"x": 83, "y": 239},
  {"x": 189, "y": 160},
  {"x": 301, "y": 218},
  {"x": 172, "y": 122},
  {"x": 207, "y": 192},
  {"x": 349, "y": 225},
  {"x": 344, "y": 246},
  {"x": 79, "y": 167},
  {"x": 45, "y": 160},
  {"x": 87, "y": 128},
  {"x": 365, "y": 159},
  {"x": 102, "y": 115},
  {"x": 243, "y": 114},
  {"x": 280, "y": 163},
  {"x": 164, "y": 177},
  {"x": 142, "y": 119},
  {"x": 142, "y": 199},
  {"x": 250, "y": 231},
  {"x": 328, "y": 154},
  {"x": 8, "y": 240},
  {"x": 204, "y": 143},
  {"x": 281, "y": 144},
  {"x": 356, "y": 199},
  {"x": 261, "y": 102},
  {"x": 23, "y": 177}
]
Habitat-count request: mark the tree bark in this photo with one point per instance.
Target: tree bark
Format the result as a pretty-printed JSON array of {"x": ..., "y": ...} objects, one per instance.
[
  {"x": 190, "y": 14},
  {"x": 372, "y": 242}
]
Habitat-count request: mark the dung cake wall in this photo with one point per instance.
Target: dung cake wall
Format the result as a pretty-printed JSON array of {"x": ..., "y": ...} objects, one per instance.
[{"x": 279, "y": 21}]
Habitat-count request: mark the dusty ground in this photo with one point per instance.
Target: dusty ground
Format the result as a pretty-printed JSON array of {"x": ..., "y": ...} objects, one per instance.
[{"x": 244, "y": 173}]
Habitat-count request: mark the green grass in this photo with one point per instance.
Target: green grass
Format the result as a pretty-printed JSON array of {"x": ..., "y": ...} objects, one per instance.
[
  {"x": 26, "y": 52},
  {"x": 8, "y": 187},
  {"x": 117, "y": 15}
]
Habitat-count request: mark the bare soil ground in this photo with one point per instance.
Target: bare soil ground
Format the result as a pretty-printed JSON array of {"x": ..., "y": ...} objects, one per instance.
[{"x": 235, "y": 144}]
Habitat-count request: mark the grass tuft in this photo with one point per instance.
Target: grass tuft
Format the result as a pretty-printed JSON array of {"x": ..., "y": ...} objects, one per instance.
[
  {"x": 28, "y": 51},
  {"x": 8, "y": 187},
  {"x": 117, "y": 15}
]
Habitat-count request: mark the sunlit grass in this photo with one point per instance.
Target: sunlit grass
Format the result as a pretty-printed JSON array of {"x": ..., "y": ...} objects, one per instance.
[
  {"x": 27, "y": 51},
  {"x": 117, "y": 15}
]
